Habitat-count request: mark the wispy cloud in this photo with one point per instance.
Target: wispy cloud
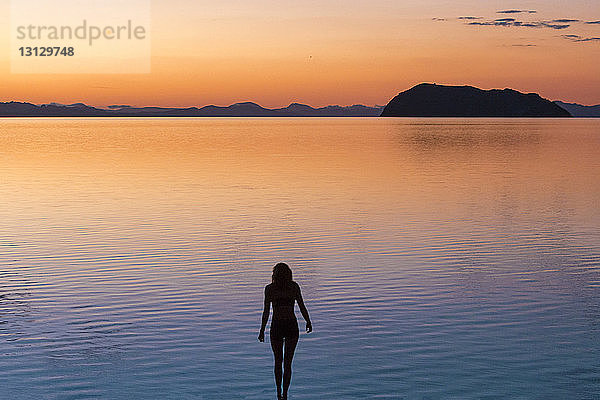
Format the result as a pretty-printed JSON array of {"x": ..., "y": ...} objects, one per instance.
[
  {"x": 516, "y": 12},
  {"x": 554, "y": 26},
  {"x": 517, "y": 18},
  {"x": 580, "y": 39},
  {"x": 516, "y": 23}
]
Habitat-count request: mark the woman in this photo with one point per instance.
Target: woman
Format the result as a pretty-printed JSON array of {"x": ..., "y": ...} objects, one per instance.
[{"x": 283, "y": 292}]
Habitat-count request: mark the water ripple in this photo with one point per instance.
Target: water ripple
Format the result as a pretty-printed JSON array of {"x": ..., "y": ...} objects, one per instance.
[{"x": 439, "y": 259}]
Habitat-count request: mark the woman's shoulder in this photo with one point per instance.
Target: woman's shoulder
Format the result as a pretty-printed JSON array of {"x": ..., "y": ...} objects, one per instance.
[{"x": 269, "y": 291}]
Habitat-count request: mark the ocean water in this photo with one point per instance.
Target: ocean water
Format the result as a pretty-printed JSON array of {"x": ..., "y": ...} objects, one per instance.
[{"x": 438, "y": 258}]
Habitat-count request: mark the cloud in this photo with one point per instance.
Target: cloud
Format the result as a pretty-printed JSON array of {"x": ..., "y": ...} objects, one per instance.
[
  {"x": 516, "y": 12},
  {"x": 514, "y": 22},
  {"x": 555, "y": 26},
  {"x": 514, "y": 19},
  {"x": 580, "y": 39}
]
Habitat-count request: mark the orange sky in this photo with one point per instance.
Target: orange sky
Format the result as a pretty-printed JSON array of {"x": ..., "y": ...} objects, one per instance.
[{"x": 334, "y": 52}]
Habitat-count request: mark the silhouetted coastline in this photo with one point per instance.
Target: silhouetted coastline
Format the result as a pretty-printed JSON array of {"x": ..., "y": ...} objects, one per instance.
[
  {"x": 580, "y": 111},
  {"x": 431, "y": 100},
  {"x": 423, "y": 100},
  {"x": 247, "y": 109}
]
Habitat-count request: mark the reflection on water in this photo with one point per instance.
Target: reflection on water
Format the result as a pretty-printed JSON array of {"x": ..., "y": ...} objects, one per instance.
[
  {"x": 438, "y": 258},
  {"x": 15, "y": 309}
]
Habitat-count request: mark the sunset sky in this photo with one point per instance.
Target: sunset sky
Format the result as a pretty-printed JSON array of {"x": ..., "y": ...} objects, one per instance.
[{"x": 275, "y": 52}]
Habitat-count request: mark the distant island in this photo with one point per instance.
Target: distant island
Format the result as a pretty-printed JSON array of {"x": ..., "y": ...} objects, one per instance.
[
  {"x": 577, "y": 110},
  {"x": 247, "y": 109},
  {"x": 423, "y": 100},
  {"x": 431, "y": 100}
]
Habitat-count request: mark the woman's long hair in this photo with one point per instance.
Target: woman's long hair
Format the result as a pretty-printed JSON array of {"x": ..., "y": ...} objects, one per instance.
[{"x": 282, "y": 275}]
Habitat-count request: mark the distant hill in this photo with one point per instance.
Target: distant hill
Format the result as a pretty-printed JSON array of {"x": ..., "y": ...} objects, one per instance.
[
  {"x": 424, "y": 100},
  {"x": 431, "y": 100},
  {"x": 248, "y": 109},
  {"x": 16, "y": 109},
  {"x": 577, "y": 110}
]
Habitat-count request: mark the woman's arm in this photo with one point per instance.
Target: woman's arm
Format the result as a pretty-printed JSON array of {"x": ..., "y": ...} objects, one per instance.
[
  {"x": 265, "y": 316},
  {"x": 303, "y": 309}
]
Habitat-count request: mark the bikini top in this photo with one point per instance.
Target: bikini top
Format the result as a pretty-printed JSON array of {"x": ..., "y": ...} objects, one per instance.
[
  {"x": 283, "y": 302},
  {"x": 283, "y": 298}
]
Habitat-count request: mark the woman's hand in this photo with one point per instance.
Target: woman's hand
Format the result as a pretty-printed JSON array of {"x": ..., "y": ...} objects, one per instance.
[
  {"x": 308, "y": 327},
  {"x": 261, "y": 336}
]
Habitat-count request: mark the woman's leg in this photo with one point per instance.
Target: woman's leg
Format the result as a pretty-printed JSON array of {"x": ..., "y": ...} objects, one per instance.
[
  {"x": 277, "y": 346},
  {"x": 290, "y": 347}
]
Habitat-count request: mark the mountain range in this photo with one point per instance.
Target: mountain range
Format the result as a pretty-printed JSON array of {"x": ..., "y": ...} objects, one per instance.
[
  {"x": 423, "y": 100},
  {"x": 247, "y": 109}
]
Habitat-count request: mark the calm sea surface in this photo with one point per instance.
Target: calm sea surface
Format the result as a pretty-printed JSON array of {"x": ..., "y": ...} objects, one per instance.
[{"x": 439, "y": 259}]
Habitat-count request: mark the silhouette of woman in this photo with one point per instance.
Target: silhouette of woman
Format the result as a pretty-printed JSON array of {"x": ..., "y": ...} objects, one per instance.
[{"x": 283, "y": 292}]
